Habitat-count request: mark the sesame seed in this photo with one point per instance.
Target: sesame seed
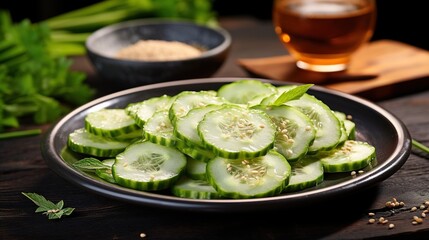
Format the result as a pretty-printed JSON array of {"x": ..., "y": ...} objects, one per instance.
[
  {"x": 417, "y": 219},
  {"x": 142, "y": 235},
  {"x": 381, "y": 220},
  {"x": 360, "y": 171},
  {"x": 353, "y": 173},
  {"x": 391, "y": 226},
  {"x": 423, "y": 214},
  {"x": 414, "y": 222},
  {"x": 422, "y": 207},
  {"x": 372, "y": 220},
  {"x": 413, "y": 209},
  {"x": 371, "y": 214}
]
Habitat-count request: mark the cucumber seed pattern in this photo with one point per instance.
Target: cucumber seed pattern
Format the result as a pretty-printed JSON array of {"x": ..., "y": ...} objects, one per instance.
[
  {"x": 149, "y": 163},
  {"x": 286, "y": 130},
  {"x": 250, "y": 172},
  {"x": 237, "y": 127},
  {"x": 313, "y": 115}
]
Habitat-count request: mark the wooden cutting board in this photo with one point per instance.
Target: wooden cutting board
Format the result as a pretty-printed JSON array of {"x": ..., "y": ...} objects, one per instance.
[{"x": 379, "y": 70}]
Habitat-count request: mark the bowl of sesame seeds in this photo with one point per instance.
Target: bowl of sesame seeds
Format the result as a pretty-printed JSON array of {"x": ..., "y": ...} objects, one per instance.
[{"x": 147, "y": 51}]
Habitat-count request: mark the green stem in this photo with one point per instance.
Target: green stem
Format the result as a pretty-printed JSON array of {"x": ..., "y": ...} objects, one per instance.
[
  {"x": 420, "y": 146},
  {"x": 23, "y": 133},
  {"x": 103, "y": 6},
  {"x": 94, "y": 21}
]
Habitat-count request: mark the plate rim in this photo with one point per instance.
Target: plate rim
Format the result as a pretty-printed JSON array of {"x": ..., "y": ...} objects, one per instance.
[{"x": 379, "y": 173}]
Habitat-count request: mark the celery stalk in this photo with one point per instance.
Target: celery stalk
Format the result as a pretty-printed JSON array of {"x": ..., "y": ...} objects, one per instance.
[
  {"x": 96, "y": 8},
  {"x": 92, "y": 22},
  {"x": 64, "y": 36}
]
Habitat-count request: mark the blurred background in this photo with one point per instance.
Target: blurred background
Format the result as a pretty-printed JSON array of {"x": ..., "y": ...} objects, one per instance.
[{"x": 403, "y": 21}]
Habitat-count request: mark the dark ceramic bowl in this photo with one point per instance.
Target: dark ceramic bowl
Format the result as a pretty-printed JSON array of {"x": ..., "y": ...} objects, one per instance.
[{"x": 104, "y": 43}]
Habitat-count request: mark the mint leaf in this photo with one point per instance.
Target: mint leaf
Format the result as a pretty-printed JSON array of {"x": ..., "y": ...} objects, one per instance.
[
  {"x": 40, "y": 201},
  {"x": 292, "y": 94},
  {"x": 90, "y": 164},
  {"x": 52, "y": 210}
]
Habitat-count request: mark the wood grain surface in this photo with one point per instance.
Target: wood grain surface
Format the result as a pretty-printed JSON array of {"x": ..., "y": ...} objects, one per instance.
[{"x": 379, "y": 70}]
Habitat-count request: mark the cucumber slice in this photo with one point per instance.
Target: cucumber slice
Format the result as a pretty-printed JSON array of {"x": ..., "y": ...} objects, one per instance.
[
  {"x": 110, "y": 123},
  {"x": 188, "y": 100},
  {"x": 148, "y": 166},
  {"x": 158, "y": 129},
  {"x": 306, "y": 172},
  {"x": 142, "y": 111},
  {"x": 106, "y": 174},
  {"x": 243, "y": 91},
  {"x": 196, "y": 169},
  {"x": 353, "y": 155},
  {"x": 349, "y": 125},
  {"x": 130, "y": 137},
  {"x": 185, "y": 127},
  {"x": 328, "y": 127},
  {"x": 198, "y": 153},
  {"x": 295, "y": 131},
  {"x": 350, "y": 129},
  {"x": 236, "y": 132},
  {"x": 82, "y": 141},
  {"x": 195, "y": 189},
  {"x": 263, "y": 176}
]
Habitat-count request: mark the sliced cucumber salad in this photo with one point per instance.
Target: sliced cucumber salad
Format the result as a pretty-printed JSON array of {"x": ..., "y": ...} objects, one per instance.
[{"x": 248, "y": 139}]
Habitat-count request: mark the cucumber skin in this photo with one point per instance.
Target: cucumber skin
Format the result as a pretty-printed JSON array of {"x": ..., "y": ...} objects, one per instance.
[
  {"x": 351, "y": 166},
  {"x": 194, "y": 151},
  {"x": 156, "y": 184},
  {"x": 184, "y": 188},
  {"x": 91, "y": 150},
  {"x": 301, "y": 186},
  {"x": 146, "y": 186},
  {"x": 236, "y": 195},
  {"x": 96, "y": 152},
  {"x": 111, "y": 133}
]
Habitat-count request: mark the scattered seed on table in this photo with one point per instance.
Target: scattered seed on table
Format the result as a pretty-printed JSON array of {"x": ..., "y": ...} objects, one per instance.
[{"x": 391, "y": 226}]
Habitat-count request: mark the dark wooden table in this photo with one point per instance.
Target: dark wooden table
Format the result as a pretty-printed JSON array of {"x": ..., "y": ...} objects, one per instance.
[{"x": 22, "y": 169}]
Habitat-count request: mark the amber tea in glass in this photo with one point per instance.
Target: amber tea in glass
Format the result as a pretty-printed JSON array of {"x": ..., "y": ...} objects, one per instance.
[{"x": 323, "y": 34}]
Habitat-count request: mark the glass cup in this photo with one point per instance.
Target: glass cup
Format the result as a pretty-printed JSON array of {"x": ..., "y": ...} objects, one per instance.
[{"x": 323, "y": 34}]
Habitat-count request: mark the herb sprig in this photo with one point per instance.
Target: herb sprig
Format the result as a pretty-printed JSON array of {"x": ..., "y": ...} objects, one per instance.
[
  {"x": 52, "y": 210},
  {"x": 89, "y": 164},
  {"x": 33, "y": 82}
]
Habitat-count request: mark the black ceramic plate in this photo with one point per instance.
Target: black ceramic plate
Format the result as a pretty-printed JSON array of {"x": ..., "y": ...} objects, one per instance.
[{"x": 374, "y": 125}]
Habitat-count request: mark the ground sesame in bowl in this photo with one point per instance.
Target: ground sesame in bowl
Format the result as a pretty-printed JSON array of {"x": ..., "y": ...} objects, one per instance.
[{"x": 158, "y": 50}]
